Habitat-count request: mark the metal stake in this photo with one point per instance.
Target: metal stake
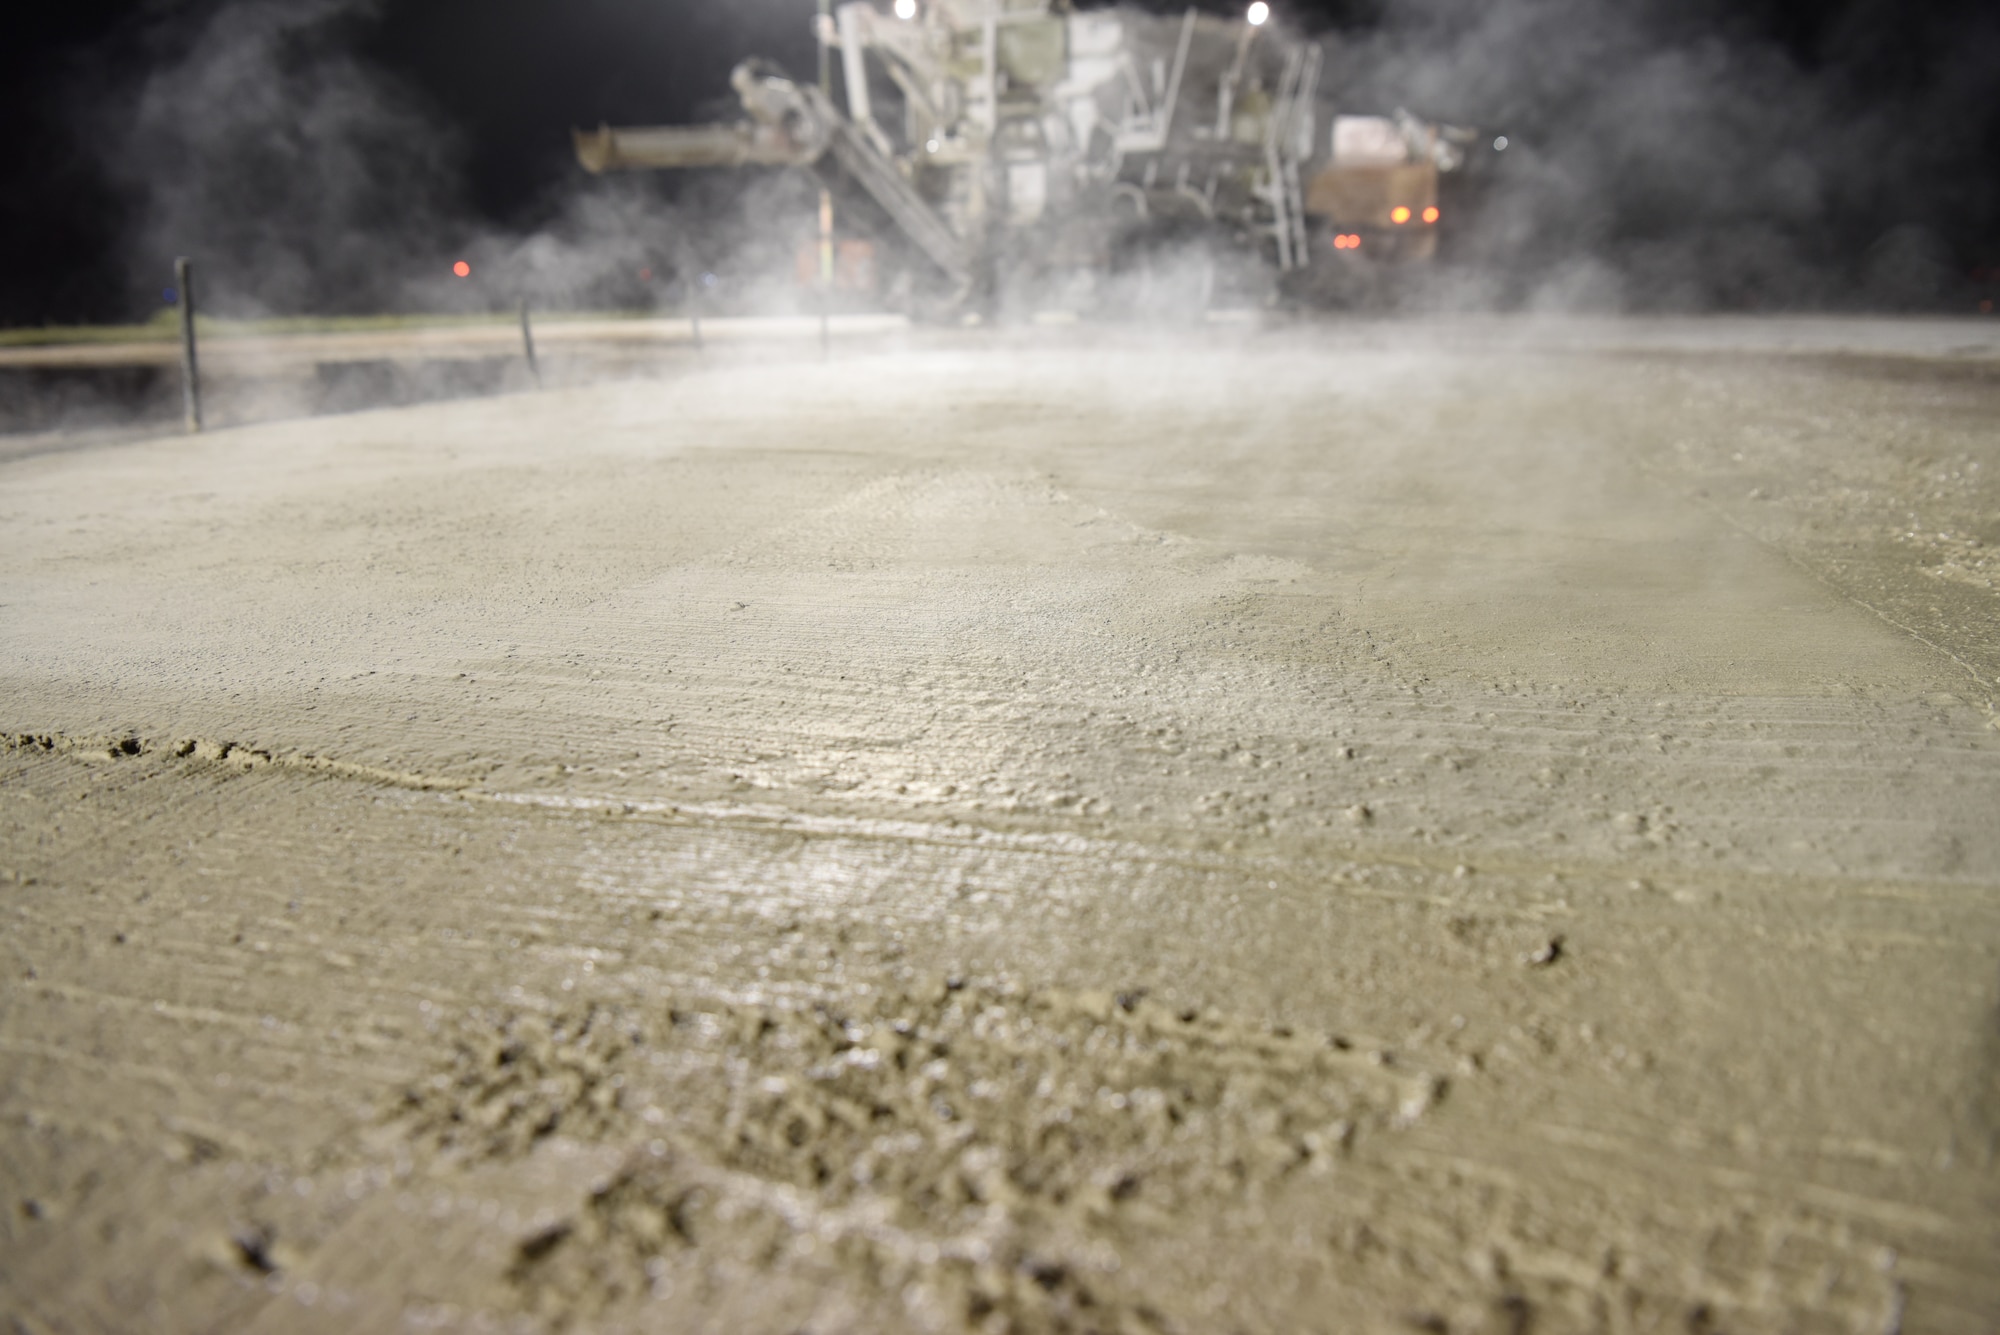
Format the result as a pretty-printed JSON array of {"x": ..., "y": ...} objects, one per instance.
[
  {"x": 825, "y": 51},
  {"x": 825, "y": 195},
  {"x": 825, "y": 263},
  {"x": 528, "y": 342},
  {"x": 190, "y": 366}
]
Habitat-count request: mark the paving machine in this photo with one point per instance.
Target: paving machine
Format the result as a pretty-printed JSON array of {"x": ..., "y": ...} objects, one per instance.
[{"x": 1008, "y": 153}]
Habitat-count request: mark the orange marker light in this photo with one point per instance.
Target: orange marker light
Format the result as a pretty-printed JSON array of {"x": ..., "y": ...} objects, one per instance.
[
  {"x": 1431, "y": 214},
  {"x": 462, "y": 269},
  {"x": 1399, "y": 214}
]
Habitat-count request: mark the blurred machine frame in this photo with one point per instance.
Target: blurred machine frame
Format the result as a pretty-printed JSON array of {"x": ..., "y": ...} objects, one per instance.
[{"x": 1001, "y": 152}]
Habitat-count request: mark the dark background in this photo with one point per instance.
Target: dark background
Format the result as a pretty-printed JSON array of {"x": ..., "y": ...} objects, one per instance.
[{"x": 1758, "y": 154}]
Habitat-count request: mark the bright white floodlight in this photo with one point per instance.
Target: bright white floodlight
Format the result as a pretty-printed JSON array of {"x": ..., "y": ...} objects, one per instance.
[
  {"x": 906, "y": 9},
  {"x": 1258, "y": 13}
]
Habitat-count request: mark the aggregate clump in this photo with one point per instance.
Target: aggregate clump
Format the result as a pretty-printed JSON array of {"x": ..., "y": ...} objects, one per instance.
[{"x": 1002, "y": 1143}]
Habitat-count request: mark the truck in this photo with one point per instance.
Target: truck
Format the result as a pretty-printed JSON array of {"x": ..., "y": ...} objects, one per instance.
[{"x": 1013, "y": 154}]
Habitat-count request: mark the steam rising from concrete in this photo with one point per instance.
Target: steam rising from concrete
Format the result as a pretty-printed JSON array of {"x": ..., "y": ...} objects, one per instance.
[
  {"x": 1662, "y": 168},
  {"x": 310, "y": 180},
  {"x": 1653, "y": 164},
  {"x": 298, "y": 177}
]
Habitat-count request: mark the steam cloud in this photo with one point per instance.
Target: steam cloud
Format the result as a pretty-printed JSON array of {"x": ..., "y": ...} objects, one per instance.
[
  {"x": 302, "y": 178},
  {"x": 1654, "y": 164},
  {"x": 308, "y": 179},
  {"x": 1658, "y": 164}
]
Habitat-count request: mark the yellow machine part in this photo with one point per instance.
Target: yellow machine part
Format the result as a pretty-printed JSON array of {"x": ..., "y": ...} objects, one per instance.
[
  {"x": 1397, "y": 201},
  {"x": 1368, "y": 196}
]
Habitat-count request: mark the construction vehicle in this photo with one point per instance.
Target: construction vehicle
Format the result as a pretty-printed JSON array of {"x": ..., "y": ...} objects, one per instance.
[{"x": 1011, "y": 153}]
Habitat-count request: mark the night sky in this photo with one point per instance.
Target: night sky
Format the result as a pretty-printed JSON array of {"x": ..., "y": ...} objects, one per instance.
[{"x": 1894, "y": 125}]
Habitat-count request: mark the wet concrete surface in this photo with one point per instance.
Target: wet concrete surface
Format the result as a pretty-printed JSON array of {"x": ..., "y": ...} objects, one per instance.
[{"x": 1449, "y": 827}]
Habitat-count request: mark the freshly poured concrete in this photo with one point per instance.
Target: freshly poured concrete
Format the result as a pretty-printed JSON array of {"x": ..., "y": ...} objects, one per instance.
[{"x": 1460, "y": 828}]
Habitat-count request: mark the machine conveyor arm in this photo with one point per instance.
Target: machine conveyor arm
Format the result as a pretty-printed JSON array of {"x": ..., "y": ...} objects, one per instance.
[
  {"x": 739, "y": 144},
  {"x": 792, "y": 125}
]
